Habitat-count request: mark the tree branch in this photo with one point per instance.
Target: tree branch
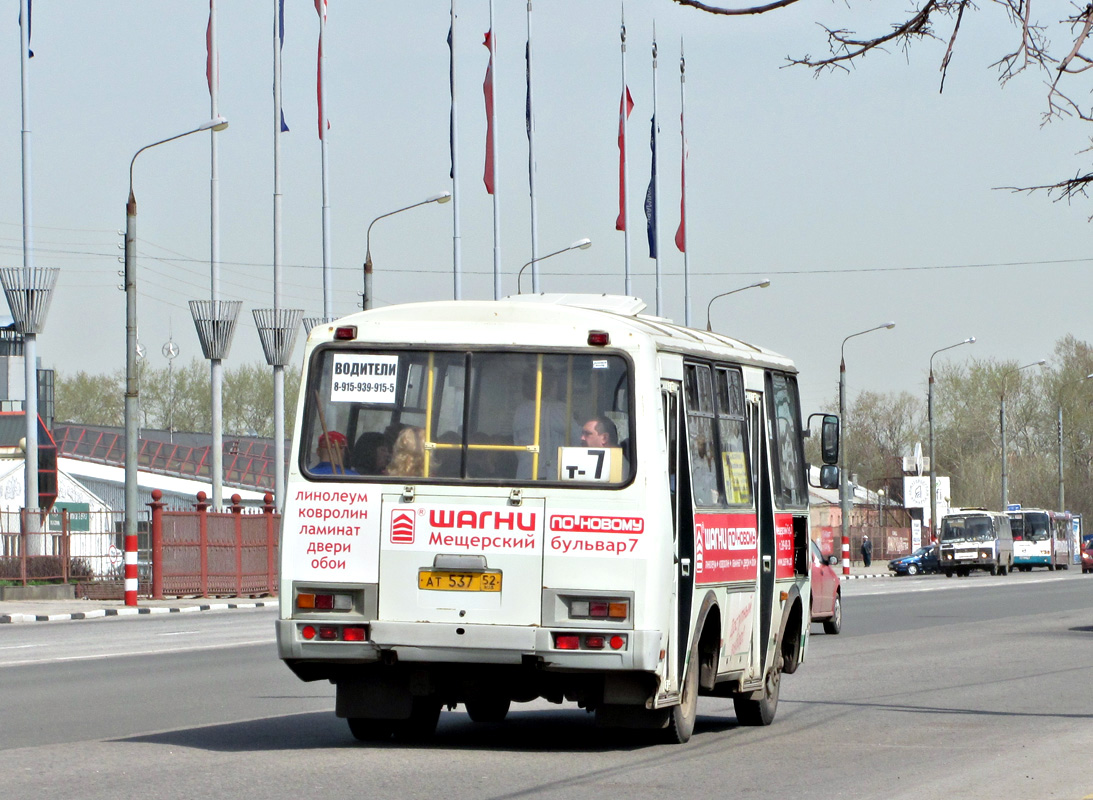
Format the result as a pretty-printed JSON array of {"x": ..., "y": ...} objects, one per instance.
[{"x": 735, "y": 12}]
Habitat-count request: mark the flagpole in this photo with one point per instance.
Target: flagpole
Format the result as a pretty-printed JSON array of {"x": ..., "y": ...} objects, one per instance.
[
  {"x": 30, "y": 366},
  {"x": 656, "y": 182},
  {"x": 328, "y": 288},
  {"x": 683, "y": 189},
  {"x": 216, "y": 366},
  {"x": 493, "y": 149},
  {"x": 623, "y": 172},
  {"x": 278, "y": 369},
  {"x": 457, "y": 266},
  {"x": 531, "y": 169}
]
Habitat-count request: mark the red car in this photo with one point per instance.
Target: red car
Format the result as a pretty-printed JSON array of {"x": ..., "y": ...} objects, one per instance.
[
  {"x": 1087, "y": 558},
  {"x": 827, "y": 597}
]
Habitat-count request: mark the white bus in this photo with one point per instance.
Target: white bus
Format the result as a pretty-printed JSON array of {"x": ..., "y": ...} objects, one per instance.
[
  {"x": 1040, "y": 538},
  {"x": 544, "y": 497}
]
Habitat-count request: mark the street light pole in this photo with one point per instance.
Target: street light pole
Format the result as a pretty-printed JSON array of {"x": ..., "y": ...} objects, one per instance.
[
  {"x": 580, "y": 244},
  {"x": 366, "y": 301},
  {"x": 930, "y": 412},
  {"x": 844, "y": 493},
  {"x": 1062, "y": 491},
  {"x": 132, "y": 390},
  {"x": 763, "y": 284},
  {"x": 1002, "y": 426}
]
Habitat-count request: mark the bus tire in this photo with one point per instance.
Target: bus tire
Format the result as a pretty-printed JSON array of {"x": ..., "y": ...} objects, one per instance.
[
  {"x": 421, "y": 724},
  {"x": 994, "y": 569},
  {"x": 761, "y": 711},
  {"x": 681, "y": 722},
  {"x": 488, "y": 709},
  {"x": 365, "y": 729},
  {"x": 948, "y": 573}
]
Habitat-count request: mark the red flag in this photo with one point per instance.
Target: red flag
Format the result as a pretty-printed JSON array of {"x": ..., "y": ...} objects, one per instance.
[
  {"x": 209, "y": 51},
  {"x": 628, "y": 102},
  {"x": 681, "y": 231},
  {"x": 320, "y": 9},
  {"x": 487, "y": 90}
]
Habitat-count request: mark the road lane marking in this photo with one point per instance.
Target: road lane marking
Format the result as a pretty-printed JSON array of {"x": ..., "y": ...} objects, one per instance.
[{"x": 156, "y": 652}]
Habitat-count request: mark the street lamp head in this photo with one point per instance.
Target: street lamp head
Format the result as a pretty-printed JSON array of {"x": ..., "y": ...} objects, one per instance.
[
  {"x": 443, "y": 197},
  {"x": 214, "y": 124},
  {"x": 763, "y": 284},
  {"x": 889, "y": 325},
  {"x": 970, "y": 340},
  {"x": 580, "y": 244}
]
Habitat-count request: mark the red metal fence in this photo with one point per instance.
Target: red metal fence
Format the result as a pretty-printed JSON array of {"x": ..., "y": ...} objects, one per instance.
[
  {"x": 197, "y": 553},
  {"x": 207, "y": 554}
]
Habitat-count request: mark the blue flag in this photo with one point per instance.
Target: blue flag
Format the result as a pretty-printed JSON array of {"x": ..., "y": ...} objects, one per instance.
[
  {"x": 651, "y": 193},
  {"x": 281, "y": 37}
]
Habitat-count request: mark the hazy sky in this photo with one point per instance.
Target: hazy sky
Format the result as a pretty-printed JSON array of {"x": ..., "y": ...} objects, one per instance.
[{"x": 864, "y": 197}]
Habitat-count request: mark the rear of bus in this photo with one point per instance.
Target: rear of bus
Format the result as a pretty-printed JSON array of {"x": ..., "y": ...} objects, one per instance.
[{"x": 463, "y": 523}]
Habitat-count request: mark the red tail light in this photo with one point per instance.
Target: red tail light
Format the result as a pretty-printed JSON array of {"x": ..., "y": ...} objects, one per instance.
[
  {"x": 565, "y": 642},
  {"x": 594, "y": 642},
  {"x": 354, "y": 634},
  {"x": 328, "y": 633}
]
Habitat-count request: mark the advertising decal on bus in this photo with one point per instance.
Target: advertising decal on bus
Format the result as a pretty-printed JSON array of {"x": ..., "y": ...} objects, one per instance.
[
  {"x": 581, "y": 534},
  {"x": 726, "y": 547},
  {"x": 457, "y": 528},
  {"x": 783, "y": 533}
]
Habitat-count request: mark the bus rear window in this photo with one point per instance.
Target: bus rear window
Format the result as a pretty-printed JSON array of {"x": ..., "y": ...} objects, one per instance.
[{"x": 512, "y": 417}]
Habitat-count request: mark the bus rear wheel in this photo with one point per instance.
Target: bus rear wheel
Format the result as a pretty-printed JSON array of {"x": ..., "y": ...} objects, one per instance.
[
  {"x": 365, "y": 729},
  {"x": 681, "y": 722},
  {"x": 488, "y": 709},
  {"x": 761, "y": 711}
]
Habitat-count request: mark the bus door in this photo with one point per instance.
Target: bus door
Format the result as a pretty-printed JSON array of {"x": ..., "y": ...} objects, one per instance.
[
  {"x": 682, "y": 534},
  {"x": 764, "y": 511}
]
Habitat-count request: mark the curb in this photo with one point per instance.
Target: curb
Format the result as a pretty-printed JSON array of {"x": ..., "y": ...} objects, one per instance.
[
  {"x": 859, "y": 577},
  {"x": 129, "y": 611}
]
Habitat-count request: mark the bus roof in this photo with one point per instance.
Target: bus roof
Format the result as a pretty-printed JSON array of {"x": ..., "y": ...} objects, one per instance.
[{"x": 523, "y": 320}]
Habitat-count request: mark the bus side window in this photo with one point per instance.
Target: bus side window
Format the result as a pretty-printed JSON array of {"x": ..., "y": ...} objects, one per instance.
[{"x": 702, "y": 437}]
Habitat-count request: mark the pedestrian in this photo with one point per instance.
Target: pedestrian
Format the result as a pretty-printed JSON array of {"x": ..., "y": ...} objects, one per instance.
[{"x": 866, "y": 550}]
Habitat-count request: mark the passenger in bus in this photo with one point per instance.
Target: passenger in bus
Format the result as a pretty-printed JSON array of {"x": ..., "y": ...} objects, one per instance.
[
  {"x": 408, "y": 455},
  {"x": 557, "y": 428},
  {"x": 599, "y": 431},
  {"x": 371, "y": 453},
  {"x": 331, "y": 452}
]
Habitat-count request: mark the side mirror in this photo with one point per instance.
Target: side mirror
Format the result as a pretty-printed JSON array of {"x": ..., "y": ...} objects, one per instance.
[
  {"x": 829, "y": 476},
  {"x": 833, "y": 560},
  {"x": 829, "y": 438}
]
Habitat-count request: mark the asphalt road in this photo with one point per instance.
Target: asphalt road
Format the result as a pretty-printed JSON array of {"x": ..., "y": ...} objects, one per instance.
[{"x": 937, "y": 688}]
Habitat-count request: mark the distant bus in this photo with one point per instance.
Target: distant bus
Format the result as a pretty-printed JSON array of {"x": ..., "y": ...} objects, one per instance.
[
  {"x": 975, "y": 539},
  {"x": 574, "y": 501},
  {"x": 1040, "y": 539}
]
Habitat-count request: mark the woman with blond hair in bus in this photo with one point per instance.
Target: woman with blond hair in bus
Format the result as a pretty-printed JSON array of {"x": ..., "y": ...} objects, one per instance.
[{"x": 408, "y": 454}]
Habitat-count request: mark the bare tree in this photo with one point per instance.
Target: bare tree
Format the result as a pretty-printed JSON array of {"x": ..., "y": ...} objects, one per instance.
[{"x": 943, "y": 21}]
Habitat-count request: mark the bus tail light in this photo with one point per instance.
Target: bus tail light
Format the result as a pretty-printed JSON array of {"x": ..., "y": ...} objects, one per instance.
[
  {"x": 345, "y": 333},
  {"x": 588, "y": 641},
  {"x": 599, "y": 338},
  {"x": 599, "y": 608},
  {"x": 334, "y": 633},
  {"x": 324, "y": 601}
]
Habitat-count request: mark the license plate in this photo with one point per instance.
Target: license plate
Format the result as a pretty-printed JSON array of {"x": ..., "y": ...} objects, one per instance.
[
  {"x": 459, "y": 581},
  {"x": 966, "y": 554}
]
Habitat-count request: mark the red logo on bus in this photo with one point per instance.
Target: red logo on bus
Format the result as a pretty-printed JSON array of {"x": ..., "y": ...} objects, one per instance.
[
  {"x": 402, "y": 527},
  {"x": 592, "y": 523}
]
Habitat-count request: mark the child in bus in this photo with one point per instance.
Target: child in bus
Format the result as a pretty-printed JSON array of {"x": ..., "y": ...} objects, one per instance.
[{"x": 408, "y": 454}]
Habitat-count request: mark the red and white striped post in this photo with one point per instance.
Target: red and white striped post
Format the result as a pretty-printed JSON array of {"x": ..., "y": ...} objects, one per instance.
[{"x": 131, "y": 570}]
